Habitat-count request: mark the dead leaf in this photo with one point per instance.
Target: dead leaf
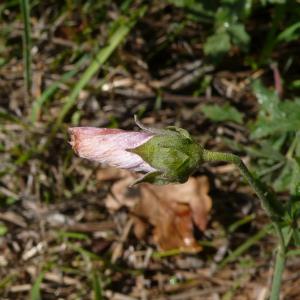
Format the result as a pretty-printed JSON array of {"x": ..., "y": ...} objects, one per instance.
[
  {"x": 171, "y": 210},
  {"x": 171, "y": 221},
  {"x": 194, "y": 193},
  {"x": 121, "y": 195}
]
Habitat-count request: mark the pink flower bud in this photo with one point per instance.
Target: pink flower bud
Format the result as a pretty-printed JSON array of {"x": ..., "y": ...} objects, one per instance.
[{"x": 109, "y": 146}]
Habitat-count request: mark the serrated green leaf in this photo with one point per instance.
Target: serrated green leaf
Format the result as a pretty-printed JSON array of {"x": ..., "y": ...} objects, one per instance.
[
  {"x": 266, "y": 150},
  {"x": 263, "y": 128},
  {"x": 267, "y": 99},
  {"x": 219, "y": 113},
  {"x": 275, "y": 116}
]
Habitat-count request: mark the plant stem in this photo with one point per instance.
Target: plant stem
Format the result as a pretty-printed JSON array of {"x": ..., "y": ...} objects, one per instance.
[
  {"x": 269, "y": 203},
  {"x": 278, "y": 271}
]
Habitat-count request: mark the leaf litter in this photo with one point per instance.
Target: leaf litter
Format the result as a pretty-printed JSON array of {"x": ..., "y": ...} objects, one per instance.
[{"x": 172, "y": 213}]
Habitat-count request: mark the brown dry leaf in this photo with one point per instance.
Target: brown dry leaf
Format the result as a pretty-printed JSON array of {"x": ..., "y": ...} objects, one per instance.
[
  {"x": 121, "y": 195},
  {"x": 171, "y": 210},
  {"x": 194, "y": 193}
]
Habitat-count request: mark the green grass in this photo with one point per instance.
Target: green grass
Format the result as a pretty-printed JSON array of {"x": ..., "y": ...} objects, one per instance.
[
  {"x": 235, "y": 254},
  {"x": 118, "y": 36},
  {"x": 25, "y": 10},
  {"x": 35, "y": 293},
  {"x": 52, "y": 89}
]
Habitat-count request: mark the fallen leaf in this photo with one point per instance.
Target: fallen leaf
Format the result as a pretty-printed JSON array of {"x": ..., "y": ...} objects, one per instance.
[
  {"x": 173, "y": 210},
  {"x": 194, "y": 193},
  {"x": 169, "y": 212},
  {"x": 121, "y": 195}
]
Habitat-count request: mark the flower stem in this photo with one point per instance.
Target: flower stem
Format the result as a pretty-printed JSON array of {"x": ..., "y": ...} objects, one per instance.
[
  {"x": 269, "y": 203},
  {"x": 278, "y": 271}
]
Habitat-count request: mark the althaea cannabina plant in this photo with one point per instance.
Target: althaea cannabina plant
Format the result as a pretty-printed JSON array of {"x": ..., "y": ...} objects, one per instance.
[
  {"x": 165, "y": 156},
  {"x": 168, "y": 156}
]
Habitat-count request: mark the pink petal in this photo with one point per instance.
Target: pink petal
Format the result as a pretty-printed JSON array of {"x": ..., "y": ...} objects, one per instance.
[{"x": 109, "y": 146}]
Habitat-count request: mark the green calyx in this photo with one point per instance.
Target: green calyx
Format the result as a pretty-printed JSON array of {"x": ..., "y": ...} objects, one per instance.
[{"x": 173, "y": 153}]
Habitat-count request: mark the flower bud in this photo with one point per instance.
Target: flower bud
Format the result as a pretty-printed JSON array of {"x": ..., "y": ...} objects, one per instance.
[
  {"x": 166, "y": 156},
  {"x": 172, "y": 152}
]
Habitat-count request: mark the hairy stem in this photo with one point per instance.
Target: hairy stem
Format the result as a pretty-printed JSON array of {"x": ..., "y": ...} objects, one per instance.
[
  {"x": 269, "y": 203},
  {"x": 278, "y": 272}
]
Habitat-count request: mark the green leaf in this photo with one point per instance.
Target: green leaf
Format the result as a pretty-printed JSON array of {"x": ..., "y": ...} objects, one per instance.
[
  {"x": 265, "y": 151},
  {"x": 267, "y": 99},
  {"x": 289, "y": 34},
  {"x": 293, "y": 208},
  {"x": 217, "y": 45},
  {"x": 295, "y": 84},
  {"x": 297, "y": 190},
  {"x": 199, "y": 8},
  {"x": 222, "y": 113},
  {"x": 239, "y": 36},
  {"x": 289, "y": 177},
  {"x": 294, "y": 252},
  {"x": 282, "y": 182},
  {"x": 287, "y": 233},
  {"x": 275, "y": 116},
  {"x": 294, "y": 185}
]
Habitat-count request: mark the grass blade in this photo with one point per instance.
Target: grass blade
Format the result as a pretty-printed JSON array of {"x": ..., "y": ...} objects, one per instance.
[
  {"x": 51, "y": 90},
  {"x": 245, "y": 246},
  {"x": 114, "y": 41},
  {"x": 97, "y": 289},
  {"x": 25, "y": 10},
  {"x": 35, "y": 293}
]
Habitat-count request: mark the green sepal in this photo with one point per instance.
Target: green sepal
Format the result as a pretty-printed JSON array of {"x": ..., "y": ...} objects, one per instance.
[
  {"x": 181, "y": 131},
  {"x": 151, "y": 177},
  {"x": 173, "y": 153}
]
